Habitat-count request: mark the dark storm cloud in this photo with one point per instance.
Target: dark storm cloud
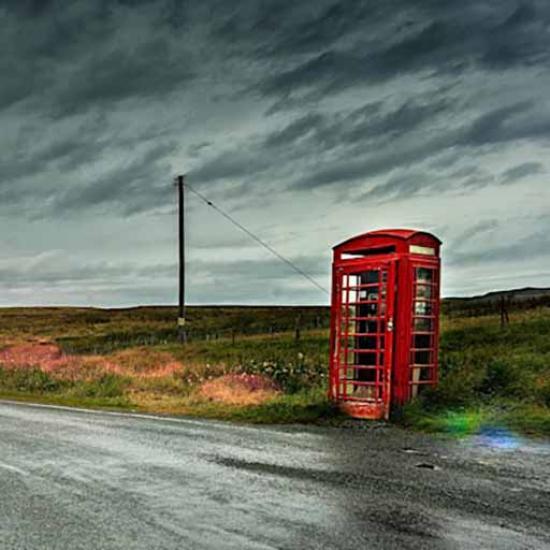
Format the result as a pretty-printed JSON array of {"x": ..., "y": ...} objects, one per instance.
[
  {"x": 522, "y": 38},
  {"x": 82, "y": 145},
  {"x": 32, "y": 8},
  {"x": 316, "y": 133},
  {"x": 349, "y": 168},
  {"x": 85, "y": 58},
  {"x": 69, "y": 59},
  {"x": 519, "y": 121},
  {"x": 231, "y": 164},
  {"x": 466, "y": 177},
  {"x": 37, "y": 40},
  {"x": 403, "y": 186},
  {"x": 260, "y": 102},
  {"x": 135, "y": 185},
  {"x": 116, "y": 76},
  {"x": 151, "y": 70},
  {"x": 472, "y": 232},
  {"x": 372, "y": 121},
  {"x": 509, "y": 123},
  {"x": 131, "y": 186},
  {"x": 335, "y": 70},
  {"x": 297, "y": 129},
  {"x": 437, "y": 39},
  {"x": 521, "y": 171},
  {"x": 534, "y": 245},
  {"x": 307, "y": 28}
]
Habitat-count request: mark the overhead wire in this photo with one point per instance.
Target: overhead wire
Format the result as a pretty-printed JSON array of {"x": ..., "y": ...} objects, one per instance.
[{"x": 255, "y": 237}]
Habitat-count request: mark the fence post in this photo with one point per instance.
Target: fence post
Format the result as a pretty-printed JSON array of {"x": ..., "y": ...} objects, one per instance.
[
  {"x": 504, "y": 317},
  {"x": 297, "y": 332}
]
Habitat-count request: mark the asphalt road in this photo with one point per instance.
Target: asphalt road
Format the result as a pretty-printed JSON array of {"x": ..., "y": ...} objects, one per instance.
[{"x": 74, "y": 480}]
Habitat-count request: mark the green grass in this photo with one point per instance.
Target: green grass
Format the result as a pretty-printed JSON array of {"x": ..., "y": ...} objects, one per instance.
[
  {"x": 294, "y": 365},
  {"x": 90, "y": 330},
  {"x": 107, "y": 390},
  {"x": 306, "y": 407},
  {"x": 488, "y": 376},
  {"x": 101, "y": 403},
  {"x": 523, "y": 418}
]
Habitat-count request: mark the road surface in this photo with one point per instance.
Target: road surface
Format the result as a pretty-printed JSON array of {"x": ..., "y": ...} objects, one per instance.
[{"x": 72, "y": 479}]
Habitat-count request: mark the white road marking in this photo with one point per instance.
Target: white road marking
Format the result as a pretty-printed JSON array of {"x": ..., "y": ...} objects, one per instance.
[
  {"x": 110, "y": 413},
  {"x": 142, "y": 416},
  {"x": 13, "y": 469}
]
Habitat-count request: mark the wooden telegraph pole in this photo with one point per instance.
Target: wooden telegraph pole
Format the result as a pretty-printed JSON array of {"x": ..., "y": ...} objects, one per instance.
[{"x": 180, "y": 182}]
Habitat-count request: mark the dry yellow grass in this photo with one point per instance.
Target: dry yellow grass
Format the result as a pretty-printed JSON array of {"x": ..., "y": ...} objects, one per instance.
[{"x": 239, "y": 389}]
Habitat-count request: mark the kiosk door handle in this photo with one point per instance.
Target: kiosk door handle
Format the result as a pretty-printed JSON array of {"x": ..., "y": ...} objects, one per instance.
[{"x": 390, "y": 324}]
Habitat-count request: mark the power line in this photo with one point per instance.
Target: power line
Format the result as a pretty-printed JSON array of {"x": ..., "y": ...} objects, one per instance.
[{"x": 256, "y": 238}]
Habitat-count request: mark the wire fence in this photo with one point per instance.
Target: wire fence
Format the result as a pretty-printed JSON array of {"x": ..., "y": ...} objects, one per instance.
[
  {"x": 498, "y": 305},
  {"x": 232, "y": 325},
  {"x": 114, "y": 340}
]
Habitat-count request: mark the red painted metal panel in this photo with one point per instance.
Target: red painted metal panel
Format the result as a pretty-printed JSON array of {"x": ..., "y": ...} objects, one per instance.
[
  {"x": 384, "y": 320},
  {"x": 362, "y": 337}
]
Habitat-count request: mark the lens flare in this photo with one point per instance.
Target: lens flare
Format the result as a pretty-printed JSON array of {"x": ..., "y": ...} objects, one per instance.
[
  {"x": 498, "y": 437},
  {"x": 462, "y": 423}
]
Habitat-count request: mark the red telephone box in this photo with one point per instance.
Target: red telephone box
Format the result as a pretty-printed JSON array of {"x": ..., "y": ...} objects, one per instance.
[{"x": 384, "y": 320}]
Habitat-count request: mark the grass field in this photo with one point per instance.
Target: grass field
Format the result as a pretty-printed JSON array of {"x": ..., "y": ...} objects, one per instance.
[{"x": 246, "y": 364}]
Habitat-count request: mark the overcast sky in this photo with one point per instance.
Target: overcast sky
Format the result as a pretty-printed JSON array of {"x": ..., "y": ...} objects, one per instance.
[{"x": 308, "y": 121}]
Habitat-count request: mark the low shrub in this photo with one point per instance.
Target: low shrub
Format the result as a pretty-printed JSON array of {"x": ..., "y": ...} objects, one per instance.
[
  {"x": 32, "y": 380},
  {"x": 108, "y": 385},
  {"x": 292, "y": 375},
  {"x": 28, "y": 380}
]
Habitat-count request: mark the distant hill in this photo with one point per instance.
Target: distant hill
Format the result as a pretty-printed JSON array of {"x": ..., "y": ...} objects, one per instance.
[
  {"x": 519, "y": 298},
  {"x": 526, "y": 293}
]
